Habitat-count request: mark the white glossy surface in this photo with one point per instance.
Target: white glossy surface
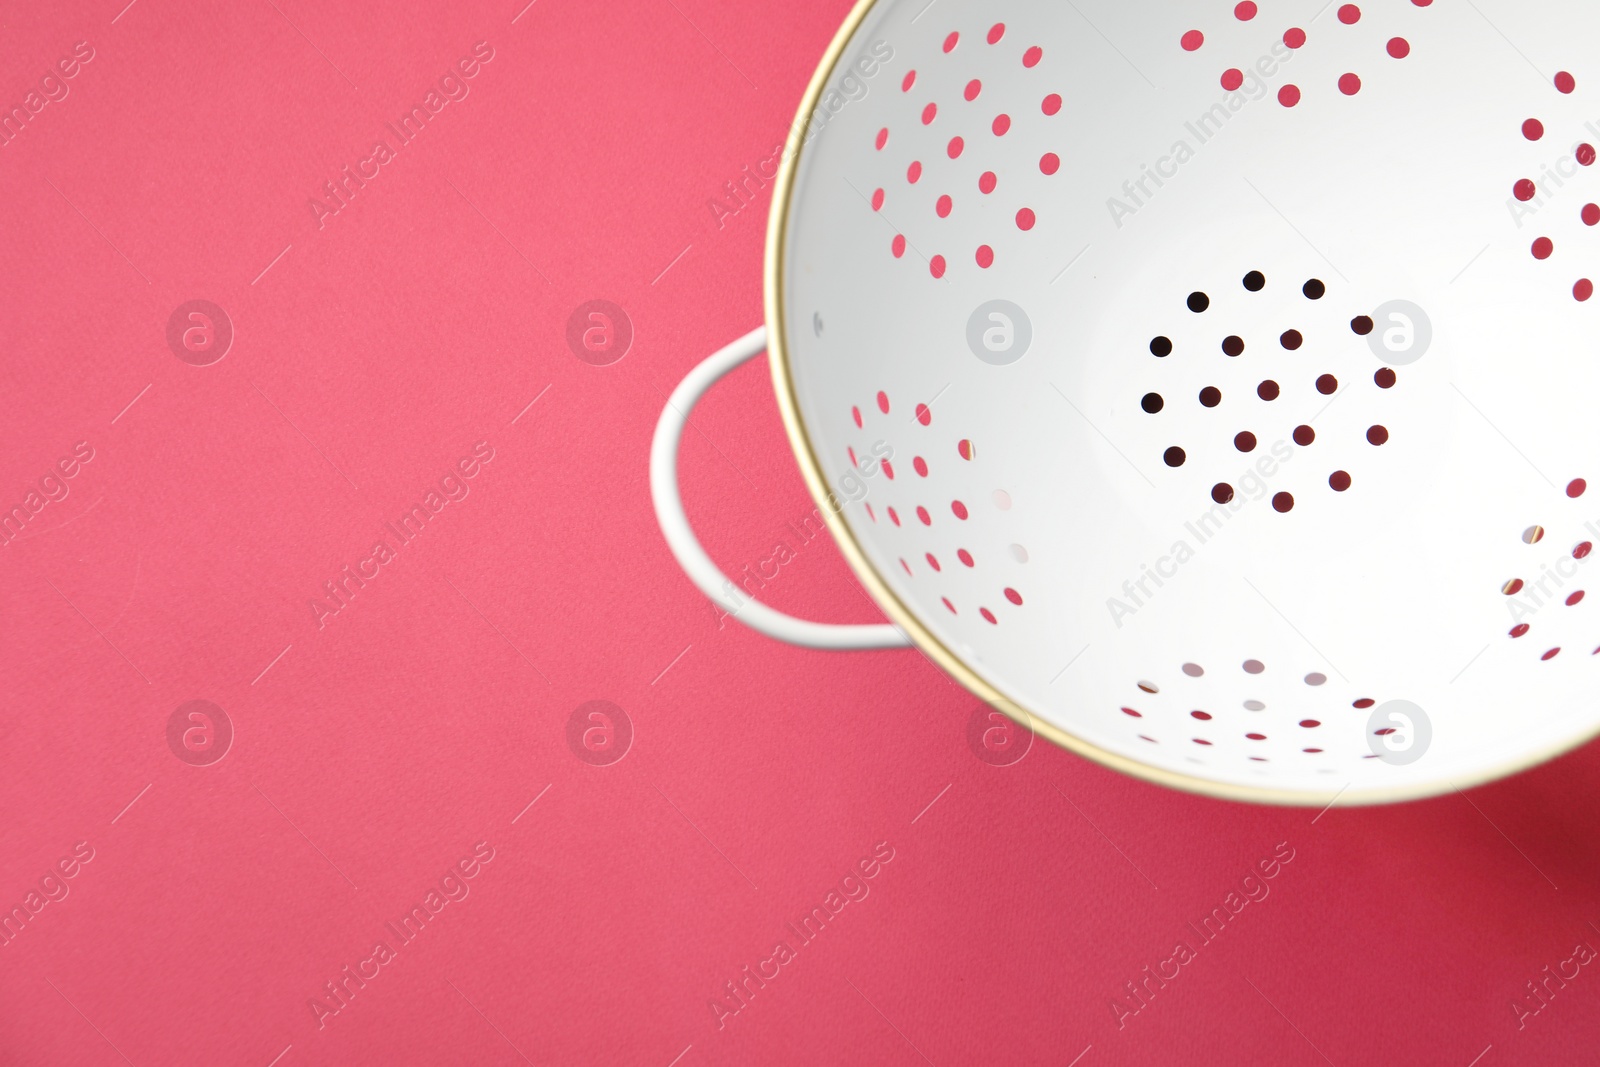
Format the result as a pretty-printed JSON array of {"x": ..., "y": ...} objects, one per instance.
[{"x": 1391, "y": 590}]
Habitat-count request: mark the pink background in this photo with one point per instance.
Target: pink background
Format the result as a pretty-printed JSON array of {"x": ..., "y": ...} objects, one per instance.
[{"x": 375, "y": 752}]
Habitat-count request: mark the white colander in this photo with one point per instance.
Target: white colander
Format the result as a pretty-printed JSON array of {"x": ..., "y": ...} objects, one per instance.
[{"x": 1209, "y": 387}]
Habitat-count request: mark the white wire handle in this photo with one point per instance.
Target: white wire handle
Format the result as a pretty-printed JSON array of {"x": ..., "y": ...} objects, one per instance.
[{"x": 686, "y": 547}]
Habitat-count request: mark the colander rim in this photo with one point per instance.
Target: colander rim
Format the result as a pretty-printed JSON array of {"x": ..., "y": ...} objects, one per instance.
[{"x": 890, "y": 603}]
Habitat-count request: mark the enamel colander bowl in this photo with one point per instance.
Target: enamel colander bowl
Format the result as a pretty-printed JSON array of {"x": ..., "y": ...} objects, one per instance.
[{"x": 1209, "y": 387}]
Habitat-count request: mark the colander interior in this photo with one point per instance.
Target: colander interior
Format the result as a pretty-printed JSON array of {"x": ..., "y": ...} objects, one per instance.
[{"x": 1215, "y": 381}]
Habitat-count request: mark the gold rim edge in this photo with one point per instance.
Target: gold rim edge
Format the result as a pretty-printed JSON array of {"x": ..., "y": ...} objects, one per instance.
[{"x": 903, "y": 617}]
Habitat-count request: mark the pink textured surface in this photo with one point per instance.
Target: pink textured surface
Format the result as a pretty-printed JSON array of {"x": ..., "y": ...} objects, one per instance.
[{"x": 376, "y": 751}]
